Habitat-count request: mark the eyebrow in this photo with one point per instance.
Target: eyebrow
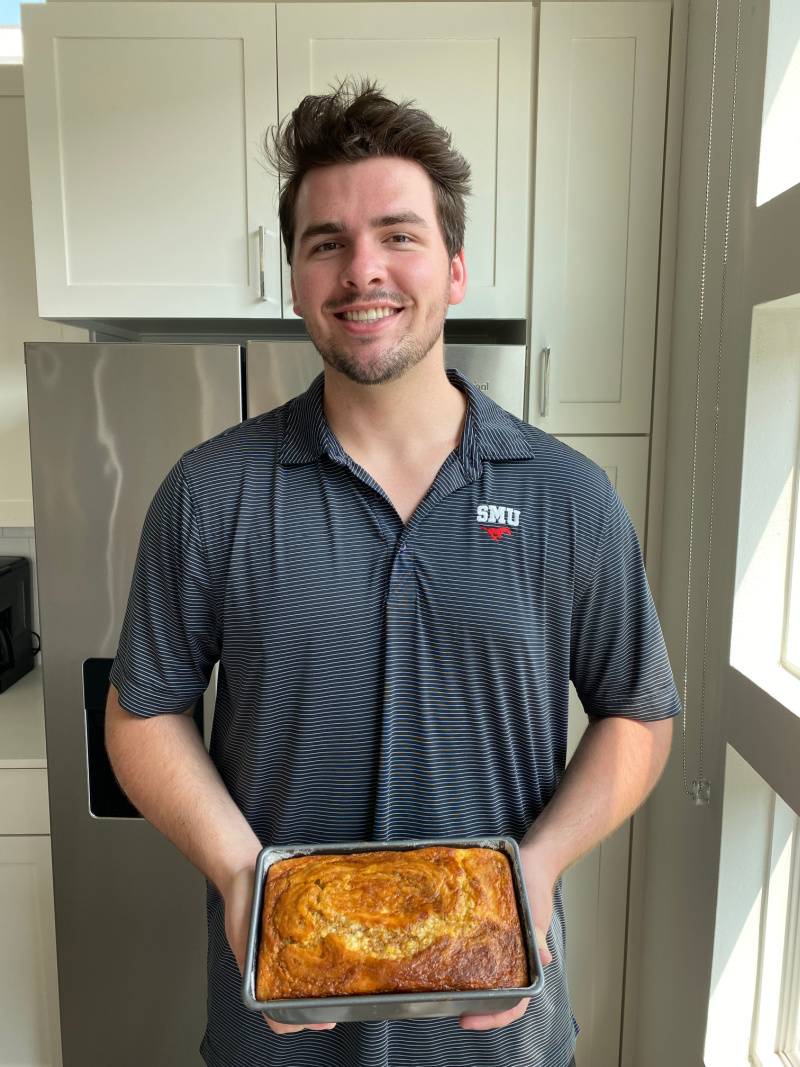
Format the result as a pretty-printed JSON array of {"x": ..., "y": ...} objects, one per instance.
[{"x": 318, "y": 229}]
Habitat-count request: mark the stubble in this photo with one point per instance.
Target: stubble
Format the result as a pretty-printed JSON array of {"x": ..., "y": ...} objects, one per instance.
[{"x": 393, "y": 362}]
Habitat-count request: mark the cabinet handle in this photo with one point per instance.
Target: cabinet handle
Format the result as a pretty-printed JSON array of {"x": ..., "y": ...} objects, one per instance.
[
  {"x": 261, "y": 285},
  {"x": 544, "y": 391}
]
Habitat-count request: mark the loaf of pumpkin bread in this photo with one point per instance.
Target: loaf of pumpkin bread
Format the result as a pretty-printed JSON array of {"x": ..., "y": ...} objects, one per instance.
[{"x": 388, "y": 922}]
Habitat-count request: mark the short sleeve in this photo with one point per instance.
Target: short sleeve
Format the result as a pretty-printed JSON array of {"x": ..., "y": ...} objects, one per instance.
[
  {"x": 170, "y": 636},
  {"x": 618, "y": 660}
]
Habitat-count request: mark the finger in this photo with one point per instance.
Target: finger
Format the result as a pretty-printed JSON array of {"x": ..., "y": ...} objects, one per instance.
[
  {"x": 292, "y": 1028},
  {"x": 544, "y": 952},
  {"x": 492, "y": 1022}
]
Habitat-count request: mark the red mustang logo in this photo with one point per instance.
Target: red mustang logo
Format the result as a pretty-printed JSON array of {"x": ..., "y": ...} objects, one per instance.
[{"x": 496, "y": 532}]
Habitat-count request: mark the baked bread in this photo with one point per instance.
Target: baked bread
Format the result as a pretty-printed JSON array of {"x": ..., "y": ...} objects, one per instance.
[{"x": 388, "y": 922}]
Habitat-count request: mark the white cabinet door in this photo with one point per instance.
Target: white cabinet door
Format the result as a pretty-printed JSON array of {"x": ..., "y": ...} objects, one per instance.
[
  {"x": 601, "y": 105},
  {"x": 596, "y": 888},
  {"x": 29, "y": 1024},
  {"x": 469, "y": 66},
  {"x": 144, "y": 127},
  {"x": 24, "y": 807}
]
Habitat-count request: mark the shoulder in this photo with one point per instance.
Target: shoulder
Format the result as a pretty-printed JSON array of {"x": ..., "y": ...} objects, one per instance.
[
  {"x": 252, "y": 445},
  {"x": 560, "y": 458},
  {"x": 554, "y": 467}
]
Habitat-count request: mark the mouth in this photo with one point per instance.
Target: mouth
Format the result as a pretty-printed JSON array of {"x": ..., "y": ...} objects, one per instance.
[
  {"x": 367, "y": 314},
  {"x": 368, "y": 321}
]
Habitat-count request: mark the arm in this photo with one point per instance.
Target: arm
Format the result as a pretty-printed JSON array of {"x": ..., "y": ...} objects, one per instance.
[
  {"x": 613, "y": 770},
  {"x": 162, "y": 765}
]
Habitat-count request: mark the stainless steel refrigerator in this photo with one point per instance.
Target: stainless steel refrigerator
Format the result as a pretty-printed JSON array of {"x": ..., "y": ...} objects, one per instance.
[{"x": 107, "y": 421}]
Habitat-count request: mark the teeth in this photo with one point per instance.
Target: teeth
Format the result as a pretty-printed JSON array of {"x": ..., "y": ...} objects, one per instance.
[{"x": 370, "y": 315}]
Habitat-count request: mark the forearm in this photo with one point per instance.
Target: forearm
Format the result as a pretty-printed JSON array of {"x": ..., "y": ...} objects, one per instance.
[
  {"x": 613, "y": 770},
  {"x": 162, "y": 765}
]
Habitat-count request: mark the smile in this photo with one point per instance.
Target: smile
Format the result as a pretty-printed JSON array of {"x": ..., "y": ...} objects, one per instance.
[{"x": 369, "y": 315}]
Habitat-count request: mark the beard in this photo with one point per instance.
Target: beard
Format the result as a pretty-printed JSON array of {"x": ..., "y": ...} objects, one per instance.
[{"x": 394, "y": 361}]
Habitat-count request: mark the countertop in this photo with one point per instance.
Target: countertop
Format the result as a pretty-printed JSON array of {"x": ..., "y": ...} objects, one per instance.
[{"x": 22, "y": 741}]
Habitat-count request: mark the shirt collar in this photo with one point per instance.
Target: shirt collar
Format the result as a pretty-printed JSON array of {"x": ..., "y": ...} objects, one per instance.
[{"x": 489, "y": 431}]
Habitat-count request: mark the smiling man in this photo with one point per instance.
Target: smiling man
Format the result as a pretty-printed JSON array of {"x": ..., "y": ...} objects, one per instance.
[{"x": 399, "y": 580}]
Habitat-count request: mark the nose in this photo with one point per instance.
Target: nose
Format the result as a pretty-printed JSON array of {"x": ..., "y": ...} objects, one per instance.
[{"x": 365, "y": 265}]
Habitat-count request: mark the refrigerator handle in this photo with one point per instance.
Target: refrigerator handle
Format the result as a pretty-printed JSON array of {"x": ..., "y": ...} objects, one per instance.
[
  {"x": 261, "y": 286},
  {"x": 544, "y": 392}
]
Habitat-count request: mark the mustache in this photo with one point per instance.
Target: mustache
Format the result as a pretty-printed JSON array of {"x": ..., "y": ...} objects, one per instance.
[{"x": 366, "y": 298}]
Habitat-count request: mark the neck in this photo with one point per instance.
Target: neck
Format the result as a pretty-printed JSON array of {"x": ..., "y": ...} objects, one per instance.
[{"x": 416, "y": 412}]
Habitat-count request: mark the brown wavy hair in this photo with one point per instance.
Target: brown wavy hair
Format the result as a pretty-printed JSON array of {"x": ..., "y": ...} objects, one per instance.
[{"x": 354, "y": 122}]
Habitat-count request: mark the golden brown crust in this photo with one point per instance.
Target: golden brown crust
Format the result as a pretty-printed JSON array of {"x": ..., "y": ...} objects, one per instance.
[{"x": 388, "y": 922}]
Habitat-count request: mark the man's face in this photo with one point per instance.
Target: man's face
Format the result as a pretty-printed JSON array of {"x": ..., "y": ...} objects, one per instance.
[{"x": 367, "y": 240}]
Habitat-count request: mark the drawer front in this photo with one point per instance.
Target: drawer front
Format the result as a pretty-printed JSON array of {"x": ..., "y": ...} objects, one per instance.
[{"x": 23, "y": 801}]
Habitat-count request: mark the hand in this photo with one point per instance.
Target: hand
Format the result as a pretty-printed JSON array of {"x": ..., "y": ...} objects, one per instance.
[
  {"x": 503, "y": 1018},
  {"x": 540, "y": 885},
  {"x": 540, "y": 895},
  {"x": 238, "y": 897}
]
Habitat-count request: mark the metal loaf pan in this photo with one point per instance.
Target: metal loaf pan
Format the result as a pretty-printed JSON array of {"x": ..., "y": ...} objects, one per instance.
[{"x": 389, "y": 1005}]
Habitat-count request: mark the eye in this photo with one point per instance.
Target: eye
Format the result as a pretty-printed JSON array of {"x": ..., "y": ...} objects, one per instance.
[
  {"x": 326, "y": 246},
  {"x": 400, "y": 237}
]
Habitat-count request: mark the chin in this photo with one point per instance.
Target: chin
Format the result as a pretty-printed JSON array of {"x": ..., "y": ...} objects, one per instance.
[{"x": 377, "y": 373}]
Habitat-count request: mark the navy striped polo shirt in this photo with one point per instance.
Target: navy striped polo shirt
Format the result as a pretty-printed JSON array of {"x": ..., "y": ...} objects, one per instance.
[{"x": 380, "y": 681}]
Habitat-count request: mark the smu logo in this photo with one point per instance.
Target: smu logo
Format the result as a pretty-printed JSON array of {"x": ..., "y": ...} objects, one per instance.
[
  {"x": 501, "y": 516},
  {"x": 496, "y": 521}
]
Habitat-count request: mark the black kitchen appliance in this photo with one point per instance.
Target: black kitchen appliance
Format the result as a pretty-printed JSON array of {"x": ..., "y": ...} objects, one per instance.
[{"x": 16, "y": 646}]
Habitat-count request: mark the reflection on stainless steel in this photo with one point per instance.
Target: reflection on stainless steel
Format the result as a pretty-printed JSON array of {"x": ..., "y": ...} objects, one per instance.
[{"x": 113, "y": 471}]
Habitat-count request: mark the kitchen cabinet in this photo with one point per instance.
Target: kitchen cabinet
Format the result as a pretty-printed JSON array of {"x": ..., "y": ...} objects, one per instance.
[
  {"x": 150, "y": 195},
  {"x": 29, "y": 1022},
  {"x": 423, "y": 52},
  {"x": 601, "y": 107},
  {"x": 144, "y": 126}
]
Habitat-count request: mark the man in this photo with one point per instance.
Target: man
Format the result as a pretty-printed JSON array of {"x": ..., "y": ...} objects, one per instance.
[{"x": 398, "y": 580}]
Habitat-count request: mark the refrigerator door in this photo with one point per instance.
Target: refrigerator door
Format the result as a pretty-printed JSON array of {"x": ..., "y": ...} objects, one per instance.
[
  {"x": 107, "y": 421},
  {"x": 279, "y": 370}
]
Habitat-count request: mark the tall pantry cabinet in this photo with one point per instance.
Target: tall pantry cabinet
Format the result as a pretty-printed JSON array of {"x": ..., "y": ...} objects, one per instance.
[
  {"x": 151, "y": 202},
  {"x": 600, "y": 131}
]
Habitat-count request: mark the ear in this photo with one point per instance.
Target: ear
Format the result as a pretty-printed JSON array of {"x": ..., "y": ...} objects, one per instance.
[{"x": 458, "y": 279}]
